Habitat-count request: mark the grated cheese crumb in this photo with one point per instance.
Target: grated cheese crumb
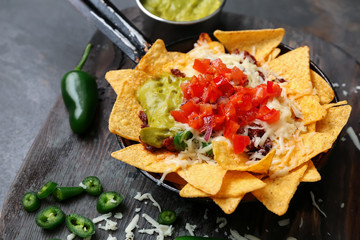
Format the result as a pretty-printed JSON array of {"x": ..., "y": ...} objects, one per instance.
[
  {"x": 222, "y": 222},
  {"x": 236, "y": 236},
  {"x": 71, "y": 236},
  {"x": 110, "y": 225},
  {"x": 190, "y": 228},
  {"x": 101, "y": 218},
  {"x": 144, "y": 196},
  {"x": 284, "y": 222},
  {"x": 111, "y": 237},
  {"x": 118, "y": 215},
  {"x": 353, "y": 137},
  {"x": 82, "y": 185},
  {"x": 315, "y": 204},
  {"x": 132, "y": 225},
  {"x": 162, "y": 230},
  {"x": 251, "y": 237}
]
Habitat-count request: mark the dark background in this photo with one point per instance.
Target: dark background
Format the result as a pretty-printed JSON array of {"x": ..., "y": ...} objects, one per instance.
[{"x": 40, "y": 40}]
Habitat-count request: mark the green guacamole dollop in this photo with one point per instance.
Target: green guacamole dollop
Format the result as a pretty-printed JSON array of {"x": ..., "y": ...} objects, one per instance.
[
  {"x": 181, "y": 10},
  {"x": 158, "y": 96}
]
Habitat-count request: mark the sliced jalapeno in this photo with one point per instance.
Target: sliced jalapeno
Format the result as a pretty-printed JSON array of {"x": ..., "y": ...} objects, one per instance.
[
  {"x": 196, "y": 238},
  {"x": 210, "y": 152},
  {"x": 167, "y": 217},
  {"x": 46, "y": 190},
  {"x": 64, "y": 193},
  {"x": 50, "y": 217},
  {"x": 80, "y": 225},
  {"x": 108, "y": 201},
  {"x": 30, "y": 202},
  {"x": 93, "y": 185},
  {"x": 180, "y": 138}
]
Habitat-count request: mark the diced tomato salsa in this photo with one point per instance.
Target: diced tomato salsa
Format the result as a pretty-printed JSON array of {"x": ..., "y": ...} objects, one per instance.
[{"x": 218, "y": 99}]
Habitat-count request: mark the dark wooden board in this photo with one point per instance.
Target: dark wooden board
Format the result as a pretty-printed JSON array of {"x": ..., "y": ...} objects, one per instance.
[{"x": 58, "y": 154}]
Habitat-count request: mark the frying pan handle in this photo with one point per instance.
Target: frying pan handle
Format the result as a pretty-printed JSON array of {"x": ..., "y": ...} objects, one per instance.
[{"x": 112, "y": 23}]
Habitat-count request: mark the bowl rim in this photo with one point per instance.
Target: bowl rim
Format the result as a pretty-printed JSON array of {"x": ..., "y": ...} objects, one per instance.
[{"x": 153, "y": 16}]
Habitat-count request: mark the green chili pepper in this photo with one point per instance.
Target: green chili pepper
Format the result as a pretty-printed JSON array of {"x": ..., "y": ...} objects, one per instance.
[
  {"x": 210, "y": 152},
  {"x": 93, "y": 185},
  {"x": 47, "y": 189},
  {"x": 50, "y": 217},
  {"x": 64, "y": 193},
  {"x": 196, "y": 238},
  {"x": 108, "y": 201},
  {"x": 167, "y": 217},
  {"x": 79, "y": 225},
  {"x": 180, "y": 138},
  {"x": 30, "y": 202},
  {"x": 79, "y": 92}
]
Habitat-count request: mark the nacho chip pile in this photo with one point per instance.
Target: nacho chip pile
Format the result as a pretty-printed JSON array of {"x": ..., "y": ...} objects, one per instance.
[{"x": 273, "y": 180}]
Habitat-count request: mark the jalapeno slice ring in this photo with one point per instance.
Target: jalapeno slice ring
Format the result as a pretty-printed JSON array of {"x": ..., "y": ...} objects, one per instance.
[
  {"x": 108, "y": 201},
  {"x": 50, "y": 217},
  {"x": 80, "y": 225},
  {"x": 47, "y": 189},
  {"x": 167, "y": 217},
  {"x": 30, "y": 202},
  {"x": 93, "y": 185}
]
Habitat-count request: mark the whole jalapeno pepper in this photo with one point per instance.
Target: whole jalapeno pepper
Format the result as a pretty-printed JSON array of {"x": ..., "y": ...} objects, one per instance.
[
  {"x": 79, "y": 225},
  {"x": 50, "y": 217},
  {"x": 79, "y": 92}
]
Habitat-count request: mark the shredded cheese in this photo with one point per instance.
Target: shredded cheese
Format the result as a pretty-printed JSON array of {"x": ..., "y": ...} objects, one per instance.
[
  {"x": 190, "y": 228},
  {"x": 132, "y": 225},
  {"x": 162, "y": 230},
  {"x": 144, "y": 196}
]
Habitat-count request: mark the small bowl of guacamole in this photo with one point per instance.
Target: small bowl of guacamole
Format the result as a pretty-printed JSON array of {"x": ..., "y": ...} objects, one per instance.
[{"x": 181, "y": 12}]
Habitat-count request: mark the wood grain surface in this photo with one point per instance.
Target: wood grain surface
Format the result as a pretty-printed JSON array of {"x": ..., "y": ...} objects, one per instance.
[{"x": 61, "y": 156}]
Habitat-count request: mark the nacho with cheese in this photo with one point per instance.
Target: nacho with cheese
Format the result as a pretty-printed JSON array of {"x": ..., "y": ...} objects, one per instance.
[{"x": 228, "y": 119}]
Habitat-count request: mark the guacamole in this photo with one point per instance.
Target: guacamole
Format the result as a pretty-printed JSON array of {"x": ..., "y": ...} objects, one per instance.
[
  {"x": 181, "y": 10},
  {"x": 158, "y": 96}
]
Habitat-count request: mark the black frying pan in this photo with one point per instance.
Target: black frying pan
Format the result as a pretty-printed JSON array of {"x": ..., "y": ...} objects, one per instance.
[{"x": 113, "y": 24}]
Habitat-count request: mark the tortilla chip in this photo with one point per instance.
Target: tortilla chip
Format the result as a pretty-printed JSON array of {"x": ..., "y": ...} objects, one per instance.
[
  {"x": 311, "y": 127},
  {"x": 119, "y": 78},
  {"x": 334, "y": 121},
  {"x": 336, "y": 104},
  {"x": 278, "y": 192},
  {"x": 204, "y": 176},
  {"x": 311, "y": 174},
  {"x": 228, "y": 205},
  {"x": 181, "y": 63},
  {"x": 323, "y": 89},
  {"x": 227, "y": 159},
  {"x": 308, "y": 146},
  {"x": 189, "y": 191},
  {"x": 311, "y": 109},
  {"x": 124, "y": 120},
  {"x": 235, "y": 184},
  {"x": 137, "y": 156},
  {"x": 294, "y": 67},
  {"x": 257, "y": 42},
  {"x": 272, "y": 55},
  {"x": 154, "y": 60}
]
